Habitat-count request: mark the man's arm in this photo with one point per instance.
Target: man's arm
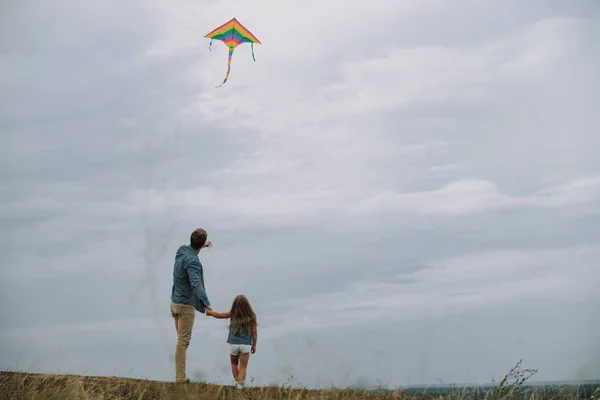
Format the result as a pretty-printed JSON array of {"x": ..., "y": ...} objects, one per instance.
[
  {"x": 254, "y": 338},
  {"x": 194, "y": 273}
]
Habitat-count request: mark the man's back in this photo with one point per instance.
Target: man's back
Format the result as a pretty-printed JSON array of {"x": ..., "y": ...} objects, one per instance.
[
  {"x": 182, "y": 289},
  {"x": 188, "y": 279}
]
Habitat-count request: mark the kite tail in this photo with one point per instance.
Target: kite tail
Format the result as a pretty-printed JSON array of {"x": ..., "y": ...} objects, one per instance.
[
  {"x": 209, "y": 49},
  {"x": 228, "y": 67},
  {"x": 252, "y": 46}
]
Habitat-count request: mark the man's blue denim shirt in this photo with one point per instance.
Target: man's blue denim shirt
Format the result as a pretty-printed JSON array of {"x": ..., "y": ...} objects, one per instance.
[{"x": 188, "y": 280}]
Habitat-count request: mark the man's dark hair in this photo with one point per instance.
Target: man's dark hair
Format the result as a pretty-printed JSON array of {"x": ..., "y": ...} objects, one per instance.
[{"x": 198, "y": 238}]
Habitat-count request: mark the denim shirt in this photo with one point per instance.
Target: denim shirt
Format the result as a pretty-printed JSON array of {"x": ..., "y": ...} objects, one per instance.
[
  {"x": 239, "y": 337},
  {"x": 188, "y": 280}
]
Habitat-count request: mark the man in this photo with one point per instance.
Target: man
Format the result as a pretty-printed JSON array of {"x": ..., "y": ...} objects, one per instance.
[{"x": 187, "y": 296}]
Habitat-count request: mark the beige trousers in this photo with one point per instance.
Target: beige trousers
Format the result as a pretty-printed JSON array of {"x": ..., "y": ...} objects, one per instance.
[{"x": 184, "y": 315}]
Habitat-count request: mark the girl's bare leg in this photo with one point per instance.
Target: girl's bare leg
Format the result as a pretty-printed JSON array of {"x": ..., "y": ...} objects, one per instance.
[
  {"x": 234, "y": 366},
  {"x": 242, "y": 368}
]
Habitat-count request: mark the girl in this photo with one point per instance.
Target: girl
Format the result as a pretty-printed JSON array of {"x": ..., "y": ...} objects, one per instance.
[{"x": 242, "y": 336}]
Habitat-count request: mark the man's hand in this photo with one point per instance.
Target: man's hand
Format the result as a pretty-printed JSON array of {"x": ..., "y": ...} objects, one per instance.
[
  {"x": 253, "y": 350},
  {"x": 207, "y": 244}
]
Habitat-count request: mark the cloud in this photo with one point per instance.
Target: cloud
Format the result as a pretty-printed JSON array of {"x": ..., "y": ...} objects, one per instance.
[
  {"x": 368, "y": 131},
  {"x": 467, "y": 196},
  {"x": 455, "y": 198},
  {"x": 498, "y": 278}
]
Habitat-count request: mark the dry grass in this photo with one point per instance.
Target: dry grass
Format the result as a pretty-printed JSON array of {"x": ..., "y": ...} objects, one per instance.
[{"x": 19, "y": 385}]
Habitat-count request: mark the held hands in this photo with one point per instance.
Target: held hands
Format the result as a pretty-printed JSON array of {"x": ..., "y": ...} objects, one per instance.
[{"x": 218, "y": 315}]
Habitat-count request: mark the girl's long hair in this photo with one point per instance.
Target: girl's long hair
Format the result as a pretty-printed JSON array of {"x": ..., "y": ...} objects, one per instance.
[{"x": 242, "y": 315}]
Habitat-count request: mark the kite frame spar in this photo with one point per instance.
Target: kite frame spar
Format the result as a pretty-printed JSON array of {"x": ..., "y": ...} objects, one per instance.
[{"x": 232, "y": 33}]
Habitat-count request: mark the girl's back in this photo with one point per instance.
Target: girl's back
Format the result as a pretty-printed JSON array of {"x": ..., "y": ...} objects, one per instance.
[{"x": 239, "y": 336}]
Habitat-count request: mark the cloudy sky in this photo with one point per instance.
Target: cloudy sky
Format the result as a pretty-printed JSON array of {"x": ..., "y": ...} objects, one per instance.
[{"x": 407, "y": 191}]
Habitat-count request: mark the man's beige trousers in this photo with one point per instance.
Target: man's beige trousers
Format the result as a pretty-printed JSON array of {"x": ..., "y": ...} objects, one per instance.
[{"x": 184, "y": 315}]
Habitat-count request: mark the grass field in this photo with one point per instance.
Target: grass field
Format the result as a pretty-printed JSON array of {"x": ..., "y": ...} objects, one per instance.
[
  {"x": 20, "y": 385},
  {"x": 17, "y": 385}
]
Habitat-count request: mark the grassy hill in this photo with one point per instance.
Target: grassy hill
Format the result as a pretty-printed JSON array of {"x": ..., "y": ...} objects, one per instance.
[{"x": 19, "y": 385}]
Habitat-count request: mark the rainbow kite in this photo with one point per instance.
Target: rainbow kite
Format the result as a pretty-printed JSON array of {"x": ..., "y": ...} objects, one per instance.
[{"x": 233, "y": 34}]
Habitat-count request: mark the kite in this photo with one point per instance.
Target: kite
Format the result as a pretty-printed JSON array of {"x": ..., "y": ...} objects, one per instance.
[{"x": 233, "y": 34}]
